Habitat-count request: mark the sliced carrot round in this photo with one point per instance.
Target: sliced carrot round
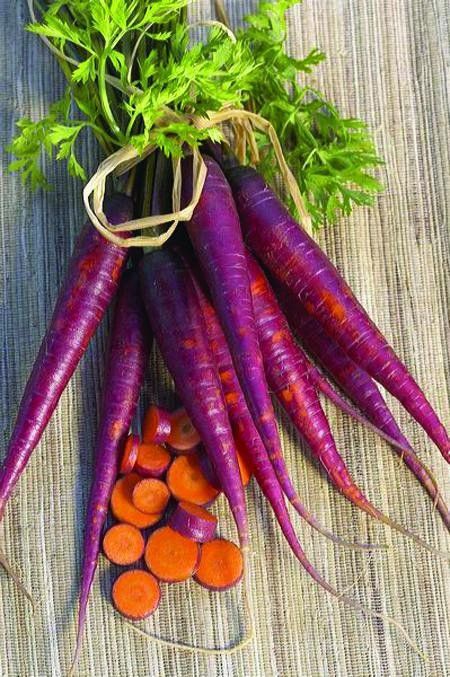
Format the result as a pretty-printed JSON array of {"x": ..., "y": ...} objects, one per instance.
[
  {"x": 122, "y": 504},
  {"x": 130, "y": 453},
  {"x": 170, "y": 556},
  {"x": 221, "y": 565},
  {"x": 183, "y": 436},
  {"x": 151, "y": 495},
  {"x": 123, "y": 544},
  {"x": 157, "y": 425},
  {"x": 152, "y": 460},
  {"x": 136, "y": 594},
  {"x": 187, "y": 481}
]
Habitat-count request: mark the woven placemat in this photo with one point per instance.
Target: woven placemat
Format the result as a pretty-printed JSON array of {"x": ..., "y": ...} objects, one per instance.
[{"x": 389, "y": 64}]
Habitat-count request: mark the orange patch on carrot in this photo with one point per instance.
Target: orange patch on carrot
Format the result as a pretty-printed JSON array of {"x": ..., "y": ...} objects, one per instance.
[
  {"x": 257, "y": 287},
  {"x": 189, "y": 343},
  {"x": 333, "y": 306},
  {"x": 277, "y": 336},
  {"x": 226, "y": 375},
  {"x": 286, "y": 394},
  {"x": 232, "y": 398},
  {"x": 115, "y": 429}
]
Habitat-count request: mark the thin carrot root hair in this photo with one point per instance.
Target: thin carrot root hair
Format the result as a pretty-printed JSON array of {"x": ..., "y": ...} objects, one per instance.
[
  {"x": 343, "y": 597},
  {"x": 365, "y": 505},
  {"x": 12, "y": 573},
  {"x": 240, "y": 645},
  {"x": 384, "y": 617},
  {"x": 313, "y": 522},
  {"x": 340, "y": 403},
  {"x": 413, "y": 537},
  {"x": 348, "y": 409}
]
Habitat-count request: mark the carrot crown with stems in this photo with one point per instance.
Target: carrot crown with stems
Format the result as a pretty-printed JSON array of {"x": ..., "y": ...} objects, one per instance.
[{"x": 136, "y": 80}]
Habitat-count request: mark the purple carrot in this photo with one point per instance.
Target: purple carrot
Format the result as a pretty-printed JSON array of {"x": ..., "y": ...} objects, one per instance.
[
  {"x": 128, "y": 353},
  {"x": 175, "y": 315},
  {"x": 244, "y": 429},
  {"x": 88, "y": 288},
  {"x": 359, "y": 387},
  {"x": 288, "y": 373},
  {"x": 297, "y": 261},
  {"x": 215, "y": 233}
]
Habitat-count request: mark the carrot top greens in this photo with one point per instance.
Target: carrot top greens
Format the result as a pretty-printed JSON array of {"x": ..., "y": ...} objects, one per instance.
[{"x": 134, "y": 76}]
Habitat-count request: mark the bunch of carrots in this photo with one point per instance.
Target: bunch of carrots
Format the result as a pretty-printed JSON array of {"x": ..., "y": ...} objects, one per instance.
[{"x": 239, "y": 301}]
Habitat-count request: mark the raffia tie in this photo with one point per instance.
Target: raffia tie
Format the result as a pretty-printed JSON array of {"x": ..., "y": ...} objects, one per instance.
[{"x": 242, "y": 121}]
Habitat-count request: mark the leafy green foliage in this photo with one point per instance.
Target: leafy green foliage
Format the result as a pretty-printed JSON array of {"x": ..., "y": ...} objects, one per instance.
[
  {"x": 55, "y": 133},
  {"x": 329, "y": 155},
  {"x": 136, "y": 78}
]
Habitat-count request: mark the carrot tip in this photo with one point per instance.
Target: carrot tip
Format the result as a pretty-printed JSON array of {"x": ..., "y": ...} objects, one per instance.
[{"x": 16, "y": 578}]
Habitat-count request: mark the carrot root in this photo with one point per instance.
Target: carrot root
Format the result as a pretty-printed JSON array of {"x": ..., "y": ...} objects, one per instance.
[{"x": 7, "y": 566}]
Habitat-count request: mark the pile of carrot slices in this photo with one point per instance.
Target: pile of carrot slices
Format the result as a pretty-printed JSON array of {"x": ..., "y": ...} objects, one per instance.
[{"x": 164, "y": 532}]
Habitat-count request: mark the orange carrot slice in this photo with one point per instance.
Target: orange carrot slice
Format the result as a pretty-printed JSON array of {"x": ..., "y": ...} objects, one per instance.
[
  {"x": 187, "y": 482},
  {"x": 136, "y": 594},
  {"x": 221, "y": 565},
  {"x": 130, "y": 453},
  {"x": 157, "y": 425},
  {"x": 183, "y": 436},
  {"x": 123, "y": 544},
  {"x": 152, "y": 460},
  {"x": 170, "y": 556},
  {"x": 150, "y": 495},
  {"x": 122, "y": 505}
]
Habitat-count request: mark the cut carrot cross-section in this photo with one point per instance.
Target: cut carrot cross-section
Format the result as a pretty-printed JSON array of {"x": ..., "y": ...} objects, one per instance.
[
  {"x": 122, "y": 504},
  {"x": 152, "y": 460},
  {"x": 187, "y": 482},
  {"x": 151, "y": 495},
  {"x": 183, "y": 436},
  {"x": 123, "y": 544},
  {"x": 130, "y": 454},
  {"x": 193, "y": 521},
  {"x": 157, "y": 425},
  {"x": 170, "y": 556},
  {"x": 136, "y": 594},
  {"x": 221, "y": 565}
]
